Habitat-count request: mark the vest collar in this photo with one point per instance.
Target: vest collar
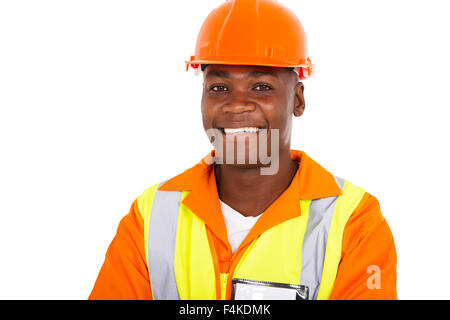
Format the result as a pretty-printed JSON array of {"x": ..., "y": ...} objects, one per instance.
[{"x": 310, "y": 182}]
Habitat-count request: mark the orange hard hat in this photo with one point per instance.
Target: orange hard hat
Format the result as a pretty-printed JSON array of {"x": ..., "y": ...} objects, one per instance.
[{"x": 252, "y": 32}]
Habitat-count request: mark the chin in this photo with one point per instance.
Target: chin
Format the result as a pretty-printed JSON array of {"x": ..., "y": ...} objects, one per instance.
[{"x": 245, "y": 166}]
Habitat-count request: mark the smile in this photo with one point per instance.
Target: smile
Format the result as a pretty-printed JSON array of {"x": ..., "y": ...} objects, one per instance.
[{"x": 241, "y": 130}]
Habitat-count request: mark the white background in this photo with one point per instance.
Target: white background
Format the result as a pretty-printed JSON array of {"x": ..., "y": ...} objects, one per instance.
[{"x": 96, "y": 106}]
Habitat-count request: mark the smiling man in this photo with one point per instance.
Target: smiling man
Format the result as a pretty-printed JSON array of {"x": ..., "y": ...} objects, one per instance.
[{"x": 254, "y": 219}]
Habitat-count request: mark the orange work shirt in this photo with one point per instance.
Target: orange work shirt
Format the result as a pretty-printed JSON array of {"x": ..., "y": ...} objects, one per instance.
[{"x": 367, "y": 239}]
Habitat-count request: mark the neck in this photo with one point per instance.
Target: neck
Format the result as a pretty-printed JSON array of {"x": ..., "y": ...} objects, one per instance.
[{"x": 249, "y": 192}]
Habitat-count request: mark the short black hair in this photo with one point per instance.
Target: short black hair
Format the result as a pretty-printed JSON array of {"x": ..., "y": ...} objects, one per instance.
[{"x": 203, "y": 66}]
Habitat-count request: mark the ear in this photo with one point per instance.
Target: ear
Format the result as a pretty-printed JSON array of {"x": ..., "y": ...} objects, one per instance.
[{"x": 299, "y": 103}]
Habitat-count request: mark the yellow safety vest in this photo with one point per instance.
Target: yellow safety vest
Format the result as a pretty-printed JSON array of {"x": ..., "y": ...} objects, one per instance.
[{"x": 304, "y": 250}]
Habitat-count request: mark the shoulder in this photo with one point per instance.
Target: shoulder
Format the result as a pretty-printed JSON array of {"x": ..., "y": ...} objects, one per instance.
[
  {"x": 365, "y": 218},
  {"x": 365, "y": 225},
  {"x": 145, "y": 199},
  {"x": 352, "y": 196},
  {"x": 362, "y": 208},
  {"x": 181, "y": 182},
  {"x": 364, "y": 204}
]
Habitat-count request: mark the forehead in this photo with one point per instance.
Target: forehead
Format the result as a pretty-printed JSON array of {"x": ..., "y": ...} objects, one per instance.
[{"x": 240, "y": 71}]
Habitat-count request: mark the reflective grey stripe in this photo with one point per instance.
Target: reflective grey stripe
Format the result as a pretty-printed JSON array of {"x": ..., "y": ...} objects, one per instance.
[
  {"x": 340, "y": 182},
  {"x": 315, "y": 241},
  {"x": 161, "y": 244}
]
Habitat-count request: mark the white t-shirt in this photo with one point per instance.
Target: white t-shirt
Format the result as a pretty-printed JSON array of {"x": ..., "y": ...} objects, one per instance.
[{"x": 238, "y": 225}]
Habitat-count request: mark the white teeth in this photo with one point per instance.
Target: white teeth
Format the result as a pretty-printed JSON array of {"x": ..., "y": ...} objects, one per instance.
[{"x": 240, "y": 130}]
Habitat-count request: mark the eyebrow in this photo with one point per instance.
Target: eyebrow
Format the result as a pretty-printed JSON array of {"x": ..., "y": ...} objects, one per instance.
[{"x": 253, "y": 74}]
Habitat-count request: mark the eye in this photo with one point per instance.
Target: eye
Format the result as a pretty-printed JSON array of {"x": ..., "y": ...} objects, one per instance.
[
  {"x": 263, "y": 87},
  {"x": 218, "y": 88}
]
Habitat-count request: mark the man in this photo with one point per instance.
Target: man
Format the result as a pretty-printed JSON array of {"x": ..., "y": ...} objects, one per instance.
[{"x": 254, "y": 219}]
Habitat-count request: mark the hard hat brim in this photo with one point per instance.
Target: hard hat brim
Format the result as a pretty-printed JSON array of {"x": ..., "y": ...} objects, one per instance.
[{"x": 308, "y": 69}]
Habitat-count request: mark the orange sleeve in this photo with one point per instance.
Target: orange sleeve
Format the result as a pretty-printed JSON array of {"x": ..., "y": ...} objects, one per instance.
[
  {"x": 124, "y": 274},
  {"x": 367, "y": 270}
]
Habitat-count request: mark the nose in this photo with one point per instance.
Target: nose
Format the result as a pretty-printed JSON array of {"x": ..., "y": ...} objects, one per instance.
[{"x": 238, "y": 103}]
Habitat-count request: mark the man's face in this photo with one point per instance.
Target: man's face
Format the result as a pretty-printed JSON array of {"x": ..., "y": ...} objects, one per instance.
[{"x": 242, "y": 101}]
